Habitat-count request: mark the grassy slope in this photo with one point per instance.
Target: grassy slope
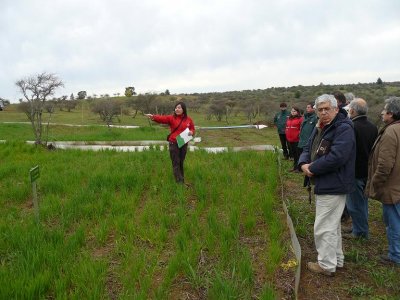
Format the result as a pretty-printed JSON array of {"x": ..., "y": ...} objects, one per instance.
[{"x": 116, "y": 225}]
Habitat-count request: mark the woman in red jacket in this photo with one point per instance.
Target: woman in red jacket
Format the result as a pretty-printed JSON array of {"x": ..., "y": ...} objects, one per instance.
[
  {"x": 292, "y": 131},
  {"x": 177, "y": 122}
]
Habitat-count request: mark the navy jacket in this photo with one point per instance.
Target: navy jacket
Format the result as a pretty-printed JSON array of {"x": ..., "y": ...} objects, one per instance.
[{"x": 333, "y": 171}]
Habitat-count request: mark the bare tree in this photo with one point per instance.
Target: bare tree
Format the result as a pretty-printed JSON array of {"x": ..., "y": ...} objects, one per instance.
[
  {"x": 107, "y": 109},
  {"x": 218, "y": 109},
  {"x": 36, "y": 90},
  {"x": 144, "y": 103}
]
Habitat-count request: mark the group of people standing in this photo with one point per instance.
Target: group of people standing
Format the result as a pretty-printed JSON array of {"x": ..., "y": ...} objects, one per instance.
[
  {"x": 294, "y": 129},
  {"x": 342, "y": 154},
  {"x": 348, "y": 161}
]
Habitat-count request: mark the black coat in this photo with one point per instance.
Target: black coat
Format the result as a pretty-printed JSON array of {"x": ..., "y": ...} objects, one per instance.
[{"x": 365, "y": 133}]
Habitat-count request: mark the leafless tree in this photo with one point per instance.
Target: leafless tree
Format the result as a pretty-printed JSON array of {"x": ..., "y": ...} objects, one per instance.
[
  {"x": 36, "y": 90},
  {"x": 107, "y": 109},
  {"x": 143, "y": 103},
  {"x": 218, "y": 109}
]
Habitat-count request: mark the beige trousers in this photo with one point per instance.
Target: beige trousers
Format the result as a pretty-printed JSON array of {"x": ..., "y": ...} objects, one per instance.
[{"x": 327, "y": 230}]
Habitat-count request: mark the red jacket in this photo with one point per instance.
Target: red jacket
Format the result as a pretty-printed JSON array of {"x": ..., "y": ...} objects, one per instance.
[
  {"x": 292, "y": 130},
  {"x": 173, "y": 121}
]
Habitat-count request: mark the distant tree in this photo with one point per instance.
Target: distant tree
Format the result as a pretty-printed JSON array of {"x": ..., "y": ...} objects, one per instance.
[
  {"x": 162, "y": 107},
  {"x": 167, "y": 93},
  {"x": 107, "y": 109},
  {"x": 130, "y": 91},
  {"x": 49, "y": 106},
  {"x": 251, "y": 109},
  {"x": 218, "y": 109},
  {"x": 194, "y": 104},
  {"x": 72, "y": 97},
  {"x": 82, "y": 95},
  {"x": 3, "y": 103},
  {"x": 61, "y": 102},
  {"x": 144, "y": 103},
  {"x": 36, "y": 90},
  {"x": 297, "y": 94},
  {"x": 379, "y": 81},
  {"x": 70, "y": 104}
]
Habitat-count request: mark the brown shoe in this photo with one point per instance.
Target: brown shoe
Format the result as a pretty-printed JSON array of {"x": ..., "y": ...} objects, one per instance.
[
  {"x": 347, "y": 229},
  {"x": 315, "y": 267}
]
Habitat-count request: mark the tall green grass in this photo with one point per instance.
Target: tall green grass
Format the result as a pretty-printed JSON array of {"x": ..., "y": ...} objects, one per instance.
[{"x": 117, "y": 225}]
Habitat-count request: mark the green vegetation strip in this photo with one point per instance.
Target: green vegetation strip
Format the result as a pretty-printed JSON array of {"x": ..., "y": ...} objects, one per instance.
[{"x": 115, "y": 225}]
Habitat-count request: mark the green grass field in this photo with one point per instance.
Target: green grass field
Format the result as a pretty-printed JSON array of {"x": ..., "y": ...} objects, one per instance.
[{"x": 116, "y": 225}]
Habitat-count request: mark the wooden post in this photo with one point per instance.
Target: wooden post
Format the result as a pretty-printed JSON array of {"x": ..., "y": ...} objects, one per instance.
[{"x": 34, "y": 175}]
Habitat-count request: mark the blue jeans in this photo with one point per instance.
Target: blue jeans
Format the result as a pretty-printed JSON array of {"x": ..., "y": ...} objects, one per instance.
[
  {"x": 357, "y": 206},
  {"x": 391, "y": 217}
]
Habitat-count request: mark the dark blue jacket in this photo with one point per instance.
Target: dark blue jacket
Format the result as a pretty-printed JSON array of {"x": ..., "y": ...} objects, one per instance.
[{"x": 334, "y": 172}]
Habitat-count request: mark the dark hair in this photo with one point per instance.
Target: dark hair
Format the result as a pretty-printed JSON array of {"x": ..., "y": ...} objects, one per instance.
[
  {"x": 311, "y": 104},
  {"x": 183, "y": 105},
  {"x": 283, "y": 104},
  {"x": 298, "y": 110},
  {"x": 341, "y": 99}
]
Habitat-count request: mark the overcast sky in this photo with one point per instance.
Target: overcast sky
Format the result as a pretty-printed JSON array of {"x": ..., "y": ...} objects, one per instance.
[{"x": 192, "y": 46}]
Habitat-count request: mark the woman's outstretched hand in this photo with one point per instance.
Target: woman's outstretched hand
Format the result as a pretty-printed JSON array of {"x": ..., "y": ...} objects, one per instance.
[{"x": 150, "y": 116}]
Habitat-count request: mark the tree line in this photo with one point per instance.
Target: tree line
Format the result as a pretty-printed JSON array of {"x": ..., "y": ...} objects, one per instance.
[{"x": 258, "y": 105}]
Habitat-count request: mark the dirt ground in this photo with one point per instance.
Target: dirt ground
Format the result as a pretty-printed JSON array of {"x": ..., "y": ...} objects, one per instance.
[{"x": 363, "y": 275}]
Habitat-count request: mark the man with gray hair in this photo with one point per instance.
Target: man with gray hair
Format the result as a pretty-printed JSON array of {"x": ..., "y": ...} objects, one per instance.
[
  {"x": 384, "y": 176},
  {"x": 328, "y": 160},
  {"x": 365, "y": 133}
]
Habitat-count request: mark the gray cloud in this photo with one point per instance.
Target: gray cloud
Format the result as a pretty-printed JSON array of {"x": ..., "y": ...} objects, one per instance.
[{"x": 197, "y": 46}]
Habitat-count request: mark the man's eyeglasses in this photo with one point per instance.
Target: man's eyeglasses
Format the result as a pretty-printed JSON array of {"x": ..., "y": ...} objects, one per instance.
[{"x": 324, "y": 109}]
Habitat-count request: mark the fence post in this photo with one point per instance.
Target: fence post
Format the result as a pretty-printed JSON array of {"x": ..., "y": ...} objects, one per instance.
[{"x": 34, "y": 175}]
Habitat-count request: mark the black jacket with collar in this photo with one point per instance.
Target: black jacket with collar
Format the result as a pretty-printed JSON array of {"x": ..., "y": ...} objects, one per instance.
[{"x": 365, "y": 133}]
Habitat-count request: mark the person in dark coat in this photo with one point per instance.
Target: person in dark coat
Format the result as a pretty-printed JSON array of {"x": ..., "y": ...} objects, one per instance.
[
  {"x": 307, "y": 126},
  {"x": 329, "y": 161},
  {"x": 280, "y": 123},
  {"x": 365, "y": 133},
  {"x": 342, "y": 101}
]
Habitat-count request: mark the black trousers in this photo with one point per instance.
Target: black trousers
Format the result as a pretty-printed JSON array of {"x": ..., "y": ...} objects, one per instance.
[
  {"x": 284, "y": 144},
  {"x": 294, "y": 150},
  {"x": 177, "y": 158}
]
